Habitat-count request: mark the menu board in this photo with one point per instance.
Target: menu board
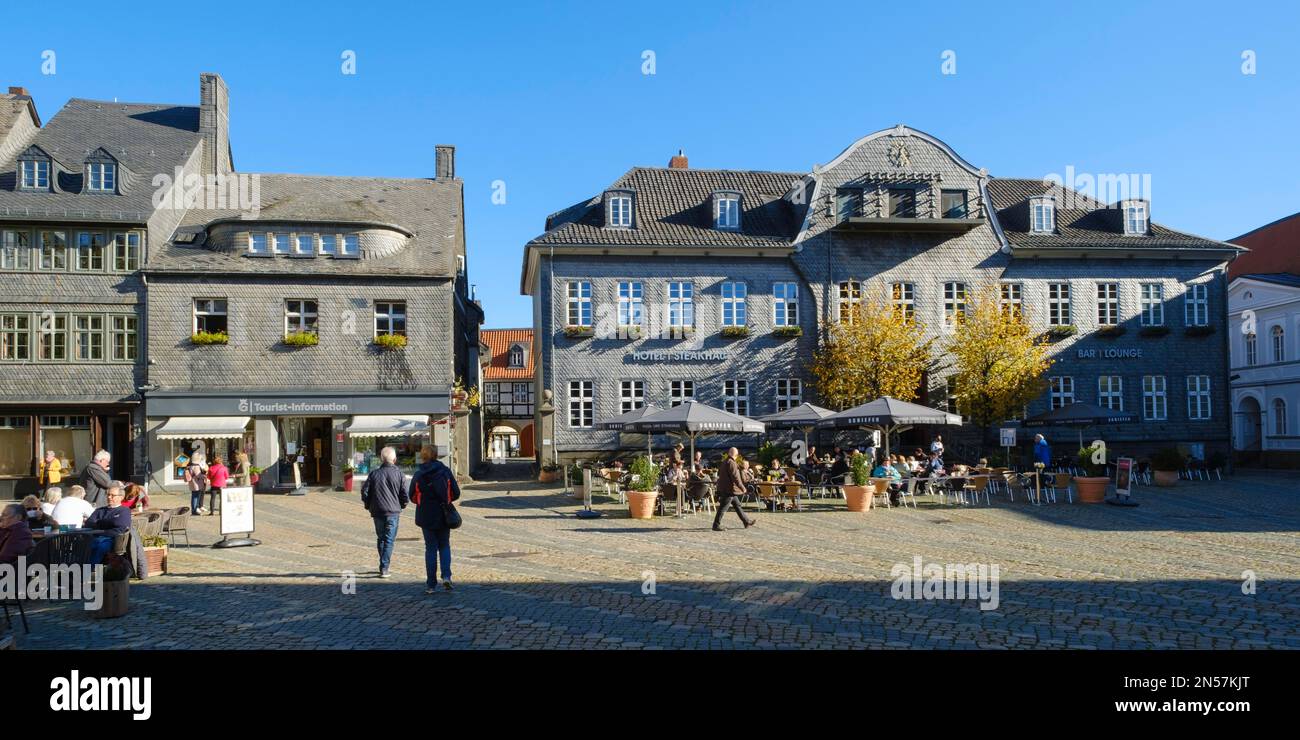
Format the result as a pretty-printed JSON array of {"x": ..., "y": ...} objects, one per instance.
[{"x": 237, "y": 510}]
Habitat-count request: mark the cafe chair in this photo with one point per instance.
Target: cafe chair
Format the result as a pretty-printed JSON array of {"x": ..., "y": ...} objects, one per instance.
[
  {"x": 908, "y": 491},
  {"x": 769, "y": 494},
  {"x": 178, "y": 523},
  {"x": 881, "y": 486},
  {"x": 700, "y": 495}
]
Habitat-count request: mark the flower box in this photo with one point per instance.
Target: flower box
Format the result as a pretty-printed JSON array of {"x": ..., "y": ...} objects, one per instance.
[
  {"x": 579, "y": 332},
  {"x": 155, "y": 560},
  {"x": 734, "y": 332},
  {"x": 206, "y": 338},
  {"x": 1153, "y": 331},
  {"x": 1112, "y": 330},
  {"x": 301, "y": 339},
  {"x": 1199, "y": 331},
  {"x": 680, "y": 332},
  {"x": 788, "y": 331},
  {"x": 390, "y": 342},
  {"x": 1056, "y": 333}
]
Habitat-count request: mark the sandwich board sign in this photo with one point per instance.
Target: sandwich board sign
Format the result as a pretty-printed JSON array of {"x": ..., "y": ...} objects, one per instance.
[
  {"x": 237, "y": 516},
  {"x": 1124, "y": 476}
]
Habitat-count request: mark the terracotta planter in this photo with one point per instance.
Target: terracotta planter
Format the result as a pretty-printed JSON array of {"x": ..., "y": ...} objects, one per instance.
[
  {"x": 858, "y": 498},
  {"x": 1166, "y": 478},
  {"x": 155, "y": 559},
  {"x": 1092, "y": 490},
  {"x": 116, "y": 599},
  {"x": 548, "y": 476},
  {"x": 253, "y": 478},
  {"x": 641, "y": 504}
]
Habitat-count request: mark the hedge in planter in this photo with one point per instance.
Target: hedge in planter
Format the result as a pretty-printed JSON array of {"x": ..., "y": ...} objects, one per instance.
[
  {"x": 788, "y": 331},
  {"x": 578, "y": 332},
  {"x": 1111, "y": 331},
  {"x": 734, "y": 332},
  {"x": 390, "y": 342},
  {"x": 641, "y": 493},
  {"x": 857, "y": 497},
  {"x": 205, "y": 338},
  {"x": 301, "y": 339},
  {"x": 1153, "y": 331}
]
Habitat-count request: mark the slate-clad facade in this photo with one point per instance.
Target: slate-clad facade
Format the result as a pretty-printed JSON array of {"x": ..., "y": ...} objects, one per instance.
[
  {"x": 898, "y": 211},
  {"x": 295, "y": 278}
]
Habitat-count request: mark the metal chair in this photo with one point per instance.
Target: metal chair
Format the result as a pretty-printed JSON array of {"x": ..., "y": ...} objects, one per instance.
[
  {"x": 769, "y": 493},
  {"x": 908, "y": 491},
  {"x": 700, "y": 493},
  {"x": 881, "y": 489},
  {"x": 178, "y": 523},
  {"x": 980, "y": 484}
]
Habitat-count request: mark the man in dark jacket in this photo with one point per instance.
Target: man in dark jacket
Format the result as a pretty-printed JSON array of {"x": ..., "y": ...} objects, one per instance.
[
  {"x": 108, "y": 521},
  {"x": 384, "y": 496},
  {"x": 730, "y": 486},
  {"x": 15, "y": 535},
  {"x": 95, "y": 479},
  {"x": 433, "y": 486}
]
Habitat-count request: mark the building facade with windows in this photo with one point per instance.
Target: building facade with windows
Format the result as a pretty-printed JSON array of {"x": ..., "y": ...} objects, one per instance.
[
  {"x": 677, "y": 283},
  {"x": 1265, "y": 314},
  {"x": 508, "y": 393},
  {"x": 77, "y": 218}
]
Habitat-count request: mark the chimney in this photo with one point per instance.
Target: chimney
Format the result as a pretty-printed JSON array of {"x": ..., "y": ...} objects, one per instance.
[
  {"x": 19, "y": 91},
  {"x": 444, "y": 162},
  {"x": 214, "y": 124},
  {"x": 678, "y": 162}
]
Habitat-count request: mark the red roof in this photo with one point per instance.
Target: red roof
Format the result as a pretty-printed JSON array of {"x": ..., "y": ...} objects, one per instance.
[
  {"x": 499, "y": 342},
  {"x": 1273, "y": 248}
]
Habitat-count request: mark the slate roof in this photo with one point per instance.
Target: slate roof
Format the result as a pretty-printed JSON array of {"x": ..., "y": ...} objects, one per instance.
[
  {"x": 674, "y": 207},
  {"x": 1279, "y": 278},
  {"x": 1087, "y": 224},
  {"x": 145, "y": 138},
  {"x": 429, "y": 209},
  {"x": 499, "y": 342}
]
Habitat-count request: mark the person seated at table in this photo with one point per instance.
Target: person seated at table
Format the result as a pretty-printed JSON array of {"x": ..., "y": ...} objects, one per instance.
[
  {"x": 935, "y": 466},
  {"x": 839, "y": 468},
  {"x": 674, "y": 474},
  {"x": 52, "y": 496},
  {"x": 135, "y": 497},
  {"x": 36, "y": 518},
  {"x": 746, "y": 475},
  {"x": 15, "y": 535},
  {"x": 72, "y": 509},
  {"x": 812, "y": 453},
  {"x": 108, "y": 522},
  {"x": 900, "y": 464}
]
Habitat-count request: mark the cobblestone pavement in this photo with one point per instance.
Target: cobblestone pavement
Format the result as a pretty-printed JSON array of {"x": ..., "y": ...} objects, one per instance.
[{"x": 1168, "y": 574}]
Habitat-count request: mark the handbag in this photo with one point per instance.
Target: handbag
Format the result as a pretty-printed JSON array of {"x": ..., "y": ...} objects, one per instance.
[{"x": 449, "y": 513}]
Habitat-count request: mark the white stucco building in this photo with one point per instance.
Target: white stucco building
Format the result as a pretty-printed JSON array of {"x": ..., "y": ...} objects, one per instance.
[{"x": 1264, "y": 312}]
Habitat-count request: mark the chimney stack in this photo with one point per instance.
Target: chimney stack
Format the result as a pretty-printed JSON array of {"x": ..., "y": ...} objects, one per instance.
[
  {"x": 19, "y": 91},
  {"x": 444, "y": 162},
  {"x": 214, "y": 124},
  {"x": 678, "y": 162}
]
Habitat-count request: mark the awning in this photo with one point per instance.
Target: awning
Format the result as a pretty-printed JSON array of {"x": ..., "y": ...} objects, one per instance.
[
  {"x": 387, "y": 426},
  {"x": 203, "y": 427}
]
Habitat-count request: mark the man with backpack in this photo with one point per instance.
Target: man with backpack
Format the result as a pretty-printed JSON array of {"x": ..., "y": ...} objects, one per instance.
[{"x": 433, "y": 489}]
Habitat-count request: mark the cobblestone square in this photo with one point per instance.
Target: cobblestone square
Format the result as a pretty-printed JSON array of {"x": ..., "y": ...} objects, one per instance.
[{"x": 1168, "y": 574}]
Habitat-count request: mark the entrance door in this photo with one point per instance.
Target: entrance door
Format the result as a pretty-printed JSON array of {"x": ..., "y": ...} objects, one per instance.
[
  {"x": 305, "y": 440},
  {"x": 117, "y": 440}
]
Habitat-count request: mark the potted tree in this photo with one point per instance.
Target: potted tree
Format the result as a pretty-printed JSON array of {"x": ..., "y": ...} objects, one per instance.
[
  {"x": 115, "y": 586},
  {"x": 155, "y": 555},
  {"x": 1166, "y": 463},
  {"x": 641, "y": 493},
  {"x": 858, "y": 496},
  {"x": 348, "y": 473},
  {"x": 550, "y": 471},
  {"x": 1091, "y": 487}
]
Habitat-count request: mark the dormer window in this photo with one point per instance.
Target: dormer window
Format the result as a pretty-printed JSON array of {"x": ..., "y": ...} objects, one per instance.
[
  {"x": 618, "y": 210},
  {"x": 516, "y": 358},
  {"x": 35, "y": 174},
  {"x": 726, "y": 211},
  {"x": 1136, "y": 219},
  {"x": 101, "y": 177},
  {"x": 1042, "y": 215}
]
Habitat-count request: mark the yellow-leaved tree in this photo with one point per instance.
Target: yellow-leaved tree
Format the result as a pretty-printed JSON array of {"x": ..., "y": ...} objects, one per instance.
[
  {"x": 878, "y": 349},
  {"x": 998, "y": 364}
]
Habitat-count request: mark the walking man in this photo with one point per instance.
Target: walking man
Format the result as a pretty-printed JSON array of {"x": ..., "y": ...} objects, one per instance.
[
  {"x": 384, "y": 496},
  {"x": 730, "y": 486},
  {"x": 432, "y": 486}
]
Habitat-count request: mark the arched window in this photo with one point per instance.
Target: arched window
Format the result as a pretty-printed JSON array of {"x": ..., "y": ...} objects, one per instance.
[
  {"x": 516, "y": 356},
  {"x": 1279, "y": 417},
  {"x": 1252, "y": 349},
  {"x": 1279, "y": 344}
]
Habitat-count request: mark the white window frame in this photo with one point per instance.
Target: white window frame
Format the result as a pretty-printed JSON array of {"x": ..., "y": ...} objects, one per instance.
[
  {"x": 15, "y": 249},
  {"x": 735, "y": 396},
  {"x": 91, "y": 252},
  {"x": 1059, "y": 308},
  {"x": 904, "y": 299},
  {"x": 1012, "y": 296},
  {"x": 681, "y": 304},
  {"x": 954, "y": 302},
  {"x": 328, "y": 245},
  {"x": 726, "y": 212},
  {"x": 53, "y": 258},
  {"x": 1153, "y": 304},
  {"x": 1060, "y": 391},
  {"x": 785, "y": 304},
  {"x": 631, "y": 395},
  {"x": 1155, "y": 399},
  {"x": 789, "y": 393},
  {"x": 734, "y": 296},
  {"x": 578, "y": 303},
  {"x": 1277, "y": 335},
  {"x": 15, "y": 337},
  {"x": 1110, "y": 392},
  {"x": 1108, "y": 304},
  {"x": 349, "y": 246},
  {"x": 1252, "y": 349},
  {"x": 848, "y": 295},
  {"x": 204, "y": 307},
  {"x": 1042, "y": 215},
  {"x": 391, "y": 312},
  {"x": 258, "y": 243},
  {"x": 680, "y": 391},
  {"x": 127, "y": 251},
  {"x": 1198, "y": 397},
  {"x": 310, "y": 251},
  {"x": 1196, "y": 305},
  {"x": 101, "y": 177},
  {"x": 124, "y": 337},
  {"x": 620, "y": 211},
  {"x": 281, "y": 242},
  {"x": 1279, "y": 417},
  {"x": 301, "y": 315},
  {"x": 1137, "y": 218},
  {"x": 631, "y": 303},
  {"x": 582, "y": 404},
  {"x": 54, "y": 325},
  {"x": 88, "y": 337},
  {"x": 35, "y": 174}
]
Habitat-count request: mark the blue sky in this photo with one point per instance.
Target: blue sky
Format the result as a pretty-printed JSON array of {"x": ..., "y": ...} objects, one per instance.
[{"x": 551, "y": 100}]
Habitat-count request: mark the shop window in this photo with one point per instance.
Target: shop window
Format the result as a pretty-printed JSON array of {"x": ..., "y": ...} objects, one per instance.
[{"x": 15, "y": 445}]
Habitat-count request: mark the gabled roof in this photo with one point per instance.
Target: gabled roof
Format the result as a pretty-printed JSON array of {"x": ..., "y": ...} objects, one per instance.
[
  {"x": 499, "y": 342},
  {"x": 673, "y": 207},
  {"x": 1082, "y": 222},
  {"x": 1277, "y": 278},
  {"x": 146, "y": 138}
]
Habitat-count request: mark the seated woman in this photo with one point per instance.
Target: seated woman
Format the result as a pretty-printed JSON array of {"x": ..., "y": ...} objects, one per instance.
[
  {"x": 52, "y": 496},
  {"x": 36, "y": 517},
  {"x": 674, "y": 474},
  {"x": 135, "y": 497}
]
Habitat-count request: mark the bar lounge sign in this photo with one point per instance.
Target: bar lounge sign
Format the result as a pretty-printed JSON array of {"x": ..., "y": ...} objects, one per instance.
[{"x": 1111, "y": 353}]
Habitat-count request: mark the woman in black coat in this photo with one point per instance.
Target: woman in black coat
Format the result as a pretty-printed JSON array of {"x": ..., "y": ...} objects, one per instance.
[{"x": 432, "y": 487}]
